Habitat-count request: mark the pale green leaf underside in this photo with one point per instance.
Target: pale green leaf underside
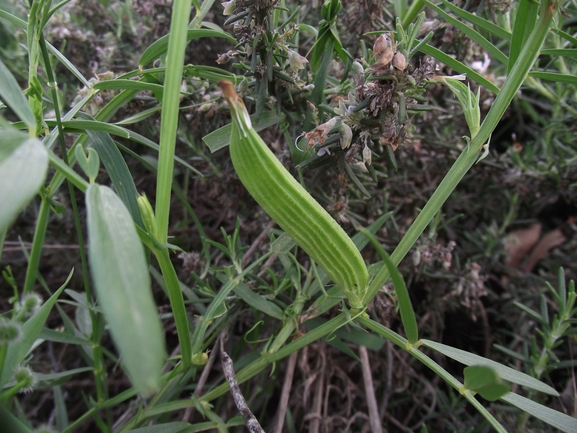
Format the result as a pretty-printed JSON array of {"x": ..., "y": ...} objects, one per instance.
[
  {"x": 505, "y": 372},
  {"x": 23, "y": 165},
  {"x": 120, "y": 273}
]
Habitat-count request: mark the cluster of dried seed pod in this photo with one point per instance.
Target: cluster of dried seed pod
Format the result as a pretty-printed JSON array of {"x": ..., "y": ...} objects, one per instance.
[{"x": 385, "y": 55}]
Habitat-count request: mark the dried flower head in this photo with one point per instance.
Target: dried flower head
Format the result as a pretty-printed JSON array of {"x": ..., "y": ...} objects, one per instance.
[{"x": 296, "y": 61}]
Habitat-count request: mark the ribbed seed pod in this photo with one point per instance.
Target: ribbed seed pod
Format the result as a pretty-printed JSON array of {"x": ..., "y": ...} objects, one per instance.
[{"x": 291, "y": 206}]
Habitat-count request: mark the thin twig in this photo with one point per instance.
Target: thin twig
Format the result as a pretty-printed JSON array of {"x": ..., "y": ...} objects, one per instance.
[
  {"x": 250, "y": 420},
  {"x": 374, "y": 417},
  {"x": 286, "y": 389}
]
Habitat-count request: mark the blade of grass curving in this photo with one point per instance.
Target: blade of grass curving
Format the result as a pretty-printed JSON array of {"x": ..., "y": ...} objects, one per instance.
[
  {"x": 505, "y": 372},
  {"x": 120, "y": 272},
  {"x": 524, "y": 23},
  {"x": 559, "y": 420},
  {"x": 554, "y": 76},
  {"x": 565, "y": 36},
  {"x": 65, "y": 170},
  {"x": 459, "y": 67},
  {"x": 405, "y": 306},
  {"x": 561, "y": 52},
  {"x": 11, "y": 423},
  {"x": 470, "y": 154},
  {"x": 495, "y": 52},
  {"x": 128, "y": 85},
  {"x": 13, "y": 97},
  {"x": 118, "y": 171},
  {"x": 17, "y": 352},
  {"x": 159, "y": 47},
  {"x": 478, "y": 21}
]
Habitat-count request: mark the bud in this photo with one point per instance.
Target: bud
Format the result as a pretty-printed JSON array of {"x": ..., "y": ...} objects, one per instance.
[
  {"x": 199, "y": 358},
  {"x": 357, "y": 72},
  {"x": 346, "y": 135},
  {"x": 383, "y": 50},
  {"x": 29, "y": 305},
  {"x": 367, "y": 155},
  {"x": 25, "y": 379},
  {"x": 148, "y": 216},
  {"x": 10, "y": 331},
  {"x": 399, "y": 61},
  {"x": 229, "y": 7},
  {"x": 296, "y": 61}
]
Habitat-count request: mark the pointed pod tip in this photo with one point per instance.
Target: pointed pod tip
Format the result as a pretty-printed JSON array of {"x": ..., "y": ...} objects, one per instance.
[{"x": 228, "y": 89}]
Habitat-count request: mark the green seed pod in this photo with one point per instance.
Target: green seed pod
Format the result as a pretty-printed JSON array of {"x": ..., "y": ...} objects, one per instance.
[{"x": 291, "y": 206}]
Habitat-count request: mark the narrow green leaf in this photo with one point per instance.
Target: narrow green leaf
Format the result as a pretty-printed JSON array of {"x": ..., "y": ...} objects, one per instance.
[
  {"x": 561, "y": 52},
  {"x": 405, "y": 306},
  {"x": 120, "y": 273},
  {"x": 10, "y": 423},
  {"x": 258, "y": 302},
  {"x": 554, "y": 76},
  {"x": 62, "y": 337},
  {"x": 559, "y": 420},
  {"x": 68, "y": 64},
  {"x": 485, "y": 381},
  {"x": 94, "y": 125},
  {"x": 118, "y": 171},
  {"x": 159, "y": 47},
  {"x": 60, "y": 408},
  {"x": 13, "y": 97},
  {"x": 220, "y": 138},
  {"x": 524, "y": 23},
  {"x": 566, "y": 36},
  {"x": 23, "y": 166},
  {"x": 459, "y": 67},
  {"x": 157, "y": 89},
  {"x": 52, "y": 379},
  {"x": 169, "y": 427},
  {"x": 16, "y": 353},
  {"x": 478, "y": 21},
  {"x": 495, "y": 52},
  {"x": 506, "y": 373}
]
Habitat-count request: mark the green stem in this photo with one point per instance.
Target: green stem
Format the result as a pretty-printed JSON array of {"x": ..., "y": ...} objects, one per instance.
[
  {"x": 170, "y": 108},
  {"x": 177, "y": 303}
]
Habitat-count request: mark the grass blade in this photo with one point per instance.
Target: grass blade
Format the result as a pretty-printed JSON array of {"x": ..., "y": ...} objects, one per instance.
[
  {"x": 524, "y": 23},
  {"x": 405, "y": 306},
  {"x": 159, "y": 47},
  {"x": 459, "y": 67},
  {"x": 478, "y": 21},
  {"x": 12, "y": 95},
  {"x": 495, "y": 52}
]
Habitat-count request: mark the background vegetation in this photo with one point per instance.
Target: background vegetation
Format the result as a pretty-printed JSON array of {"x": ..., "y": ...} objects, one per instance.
[{"x": 105, "y": 98}]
